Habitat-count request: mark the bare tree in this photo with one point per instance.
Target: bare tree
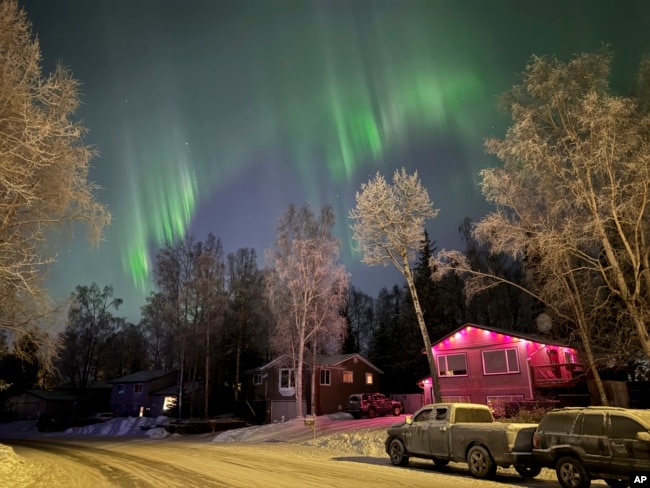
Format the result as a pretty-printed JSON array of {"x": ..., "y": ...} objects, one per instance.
[
  {"x": 389, "y": 228},
  {"x": 572, "y": 195},
  {"x": 43, "y": 171},
  {"x": 90, "y": 328},
  {"x": 306, "y": 288},
  {"x": 246, "y": 297}
]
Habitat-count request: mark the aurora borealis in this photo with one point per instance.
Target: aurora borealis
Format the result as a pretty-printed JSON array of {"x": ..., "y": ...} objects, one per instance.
[{"x": 213, "y": 116}]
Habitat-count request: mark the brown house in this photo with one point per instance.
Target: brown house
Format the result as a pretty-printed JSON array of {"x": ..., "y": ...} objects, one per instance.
[
  {"x": 340, "y": 376},
  {"x": 271, "y": 394},
  {"x": 494, "y": 366}
]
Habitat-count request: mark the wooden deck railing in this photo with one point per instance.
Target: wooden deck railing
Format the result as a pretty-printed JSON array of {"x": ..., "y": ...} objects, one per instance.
[{"x": 559, "y": 374}]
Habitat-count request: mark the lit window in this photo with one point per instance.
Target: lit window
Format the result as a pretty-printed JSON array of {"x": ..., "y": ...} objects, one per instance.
[
  {"x": 287, "y": 378},
  {"x": 452, "y": 365},
  {"x": 120, "y": 389},
  {"x": 502, "y": 361},
  {"x": 348, "y": 377},
  {"x": 369, "y": 379},
  {"x": 325, "y": 377},
  {"x": 137, "y": 388},
  {"x": 169, "y": 403},
  {"x": 257, "y": 379}
]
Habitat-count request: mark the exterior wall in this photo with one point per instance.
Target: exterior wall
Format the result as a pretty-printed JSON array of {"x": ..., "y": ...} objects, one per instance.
[
  {"x": 477, "y": 386},
  {"x": 333, "y": 398},
  {"x": 129, "y": 402},
  {"x": 25, "y": 406}
]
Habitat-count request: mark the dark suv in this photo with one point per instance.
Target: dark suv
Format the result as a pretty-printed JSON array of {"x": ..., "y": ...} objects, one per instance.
[
  {"x": 372, "y": 404},
  {"x": 593, "y": 442}
]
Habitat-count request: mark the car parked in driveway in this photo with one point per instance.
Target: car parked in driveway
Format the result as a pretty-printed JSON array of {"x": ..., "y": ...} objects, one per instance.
[
  {"x": 372, "y": 404},
  {"x": 588, "y": 443}
]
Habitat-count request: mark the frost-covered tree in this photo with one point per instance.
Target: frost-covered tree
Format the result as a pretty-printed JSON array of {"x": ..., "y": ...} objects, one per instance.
[
  {"x": 44, "y": 168},
  {"x": 572, "y": 196},
  {"x": 389, "y": 228},
  {"x": 306, "y": 289}
]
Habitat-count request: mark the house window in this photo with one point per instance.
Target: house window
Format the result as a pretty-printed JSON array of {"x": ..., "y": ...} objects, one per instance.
[
  {"x": 369, "y": 379},
  {"x": 257, "y": 379},
  {"x": 120, "y": 389},
  {"x": 348, "y": 377},
  {"x": 137, "y": 388},
  {"x": 287, "y": 378},
  {"x": 325, "y": 377},
  {"x": 503, "y": 361},
  {"x": 452, "y": 365}
]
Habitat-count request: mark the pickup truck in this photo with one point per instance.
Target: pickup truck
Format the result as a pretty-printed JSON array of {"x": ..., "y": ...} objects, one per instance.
[{"x": 463, "y": 432}]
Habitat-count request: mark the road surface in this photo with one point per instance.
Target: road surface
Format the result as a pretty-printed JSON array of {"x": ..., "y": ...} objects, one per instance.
[{"x": 180, "y": 462}]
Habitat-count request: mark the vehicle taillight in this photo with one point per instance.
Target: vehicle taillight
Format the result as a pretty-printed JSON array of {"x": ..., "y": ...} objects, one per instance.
[{"x": 536, "y": 441}]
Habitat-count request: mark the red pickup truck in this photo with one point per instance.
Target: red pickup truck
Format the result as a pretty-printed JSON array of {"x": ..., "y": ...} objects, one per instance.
[{"x": 372, "y": 404}]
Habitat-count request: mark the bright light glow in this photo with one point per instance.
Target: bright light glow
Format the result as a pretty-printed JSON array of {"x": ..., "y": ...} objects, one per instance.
[{"x": 457, "y": 336}]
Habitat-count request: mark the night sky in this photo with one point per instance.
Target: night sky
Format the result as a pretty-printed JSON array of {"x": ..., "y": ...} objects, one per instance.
[{"x": 213, "y": 116}]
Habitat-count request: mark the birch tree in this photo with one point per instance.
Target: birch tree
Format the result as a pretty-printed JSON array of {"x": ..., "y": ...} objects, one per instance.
[
  {"x": 572, "y": 195},
  {"x": 306, "y": 288},
  {"x": 44, "y": 167},
  {"x": 388, "y": 226}
]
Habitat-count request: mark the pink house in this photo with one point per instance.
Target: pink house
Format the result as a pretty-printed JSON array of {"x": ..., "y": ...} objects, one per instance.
[{"x": 493, "y": 366}]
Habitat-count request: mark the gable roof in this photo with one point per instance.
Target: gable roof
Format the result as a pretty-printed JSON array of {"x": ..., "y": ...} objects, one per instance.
[
  {"x": 512, "y": 333},
  {"x": 142, "y": 376},
  {"x": 336, "y": 360},
  {"x": 328, "y": 361},
  {"x": 56, "y": 396}
]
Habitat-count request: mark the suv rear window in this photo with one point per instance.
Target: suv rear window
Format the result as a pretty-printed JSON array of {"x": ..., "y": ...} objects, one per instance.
[
  {"x": 561, "y": 423},
  {"x": 625, "y": 428}
]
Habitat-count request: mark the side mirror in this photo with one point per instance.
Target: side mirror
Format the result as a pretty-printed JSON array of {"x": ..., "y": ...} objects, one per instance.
[
  {"x": 408, "y": 420},
  {"x": 643, "y": 436}
]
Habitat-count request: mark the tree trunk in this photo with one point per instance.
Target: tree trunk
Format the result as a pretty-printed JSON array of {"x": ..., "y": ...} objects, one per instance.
[
  {"x": 298, "y": 372},
  {"x": 435, "y": 382},
  {"x": 237, "y": 359},
  {"x": 207, "y": 367}
]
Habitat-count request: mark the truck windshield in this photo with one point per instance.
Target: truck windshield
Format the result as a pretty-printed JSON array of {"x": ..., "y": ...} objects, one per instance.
[{"x": 473, "y": 415}]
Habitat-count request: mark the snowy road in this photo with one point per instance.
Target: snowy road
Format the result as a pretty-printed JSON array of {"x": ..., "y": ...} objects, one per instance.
[
  {"x": 178, "y": 463},
  {"x": 120, "y": 453}
]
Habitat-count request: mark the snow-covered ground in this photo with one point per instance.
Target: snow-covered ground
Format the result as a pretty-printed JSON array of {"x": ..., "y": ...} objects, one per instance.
[{"x": 338, "y": 432}]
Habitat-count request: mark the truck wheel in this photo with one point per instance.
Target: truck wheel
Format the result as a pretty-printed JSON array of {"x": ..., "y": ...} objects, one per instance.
[
  {"x": 397, "y": 411},
  {"x": 480, "y": 462},
  {"x": 571, "y": 473},
  {"x": 397, "y": 453},
  {"x": 372, "y": 413},
  {"x": 528, "y": 470}
]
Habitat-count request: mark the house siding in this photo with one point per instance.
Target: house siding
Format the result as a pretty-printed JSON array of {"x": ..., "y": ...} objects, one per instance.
[
  {"x": 129, "y": 402},
  {"x": 479, "y": 387},
  {"x": 333, "y": 398}
]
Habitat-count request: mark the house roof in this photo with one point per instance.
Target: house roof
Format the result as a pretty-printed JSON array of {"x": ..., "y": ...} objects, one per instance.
[
  {"x": 56, "y": 396},
  {"x": 341, "y": 358},
  {"x": 521, "y": 335},
  {"x": 279, "y": 361},
  {"x": 142, "y": 376},
  {"x": 330, "y": 361}
]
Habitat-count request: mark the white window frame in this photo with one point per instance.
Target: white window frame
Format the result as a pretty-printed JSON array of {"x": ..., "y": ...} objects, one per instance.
[
  {"x": 370, "y": 379},
  {"x": 509, "y": 369},
  {"x": 325, "y": 377},
  {"x": 258, "y": 378},
  {"x": 350, "y": 374},
  {"x": 291, "y": 378},
  {"x": 445, "y": 356}
]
